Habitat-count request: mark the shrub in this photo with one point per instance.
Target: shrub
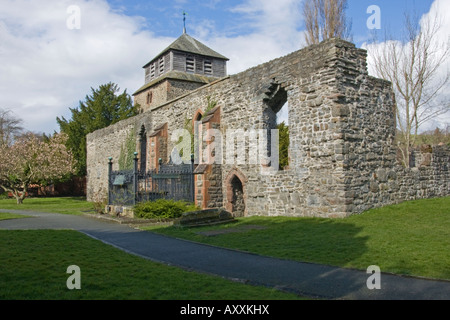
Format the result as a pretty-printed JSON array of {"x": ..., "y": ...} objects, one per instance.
[{"x": 163, "y": 209}]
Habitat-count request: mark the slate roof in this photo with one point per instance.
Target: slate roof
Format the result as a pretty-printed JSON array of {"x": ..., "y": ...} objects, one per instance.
[{"x": 186, "y": 43}]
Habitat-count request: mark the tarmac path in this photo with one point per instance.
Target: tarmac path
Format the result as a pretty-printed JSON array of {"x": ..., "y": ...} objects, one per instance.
[{"x": 305, "y": 279}]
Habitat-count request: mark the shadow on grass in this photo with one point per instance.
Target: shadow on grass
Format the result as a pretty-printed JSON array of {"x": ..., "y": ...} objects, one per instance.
[{"x": 331, "y": 242}]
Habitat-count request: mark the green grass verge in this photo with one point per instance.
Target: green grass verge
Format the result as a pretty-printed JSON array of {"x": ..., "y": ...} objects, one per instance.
[
  {"x": 35, "y": 262},
  {"x": 67, "y": 205},
  {"x": 412, "y": 238},
  {"x": 8, "y": 216}
]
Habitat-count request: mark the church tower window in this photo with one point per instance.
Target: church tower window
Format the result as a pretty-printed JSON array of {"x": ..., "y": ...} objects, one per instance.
[
  {"x": 149, "y": 97},
  {"x": 161, "y": 65},
  {"x": 208, "y": 67},
  {"x": 190, "y": 64}
]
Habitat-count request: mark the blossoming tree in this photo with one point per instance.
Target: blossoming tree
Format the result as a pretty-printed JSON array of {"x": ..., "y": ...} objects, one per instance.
[{"x": 31, "y": 160}]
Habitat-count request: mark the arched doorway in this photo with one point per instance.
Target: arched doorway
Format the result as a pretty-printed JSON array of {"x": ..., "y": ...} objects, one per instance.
[
  {"x": 237, "y": 197},
  {"x": 236, "y": 194}
]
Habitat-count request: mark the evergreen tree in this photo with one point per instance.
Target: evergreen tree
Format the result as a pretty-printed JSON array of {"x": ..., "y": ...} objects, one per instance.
[
  {"x": 283, "y": 145},
  {"x": 101, "y": 109}
]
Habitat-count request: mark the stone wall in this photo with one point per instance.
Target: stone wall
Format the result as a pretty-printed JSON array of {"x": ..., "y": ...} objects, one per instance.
[
  {"x": 178, "y": 88},
  {"x": 158, "y": 95},
  {"x": 106, "y": 143},
  {"x": 341, "y": 125},
  {"x": 428, "y": 177}
]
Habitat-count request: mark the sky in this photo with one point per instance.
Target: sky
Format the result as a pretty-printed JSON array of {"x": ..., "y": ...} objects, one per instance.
[{"x": 52, "y": 52}]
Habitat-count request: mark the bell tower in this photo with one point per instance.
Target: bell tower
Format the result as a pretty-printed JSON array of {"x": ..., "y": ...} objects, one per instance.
[{"x": 183, "y": 66}]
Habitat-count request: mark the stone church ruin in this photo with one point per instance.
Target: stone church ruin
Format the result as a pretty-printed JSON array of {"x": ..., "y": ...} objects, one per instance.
[{"x": 342, "y": 156}]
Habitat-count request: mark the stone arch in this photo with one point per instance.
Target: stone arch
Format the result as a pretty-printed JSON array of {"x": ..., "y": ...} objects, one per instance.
[
  {"x": 198, "y": 115},
  {"x": 236, "y": 193}
]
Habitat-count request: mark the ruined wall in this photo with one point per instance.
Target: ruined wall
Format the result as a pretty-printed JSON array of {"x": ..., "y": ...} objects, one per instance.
[
  {"x": 341, "y": 125},
  {"x": 427, "y": 177},
  {"x": 106, "y": 143}
]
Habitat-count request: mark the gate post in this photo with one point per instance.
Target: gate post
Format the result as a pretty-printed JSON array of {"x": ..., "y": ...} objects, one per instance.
[
  {"x": 110, "y": 164},
  {"x": 135, "y": 178},
  {"x": 192, "y": 179}
]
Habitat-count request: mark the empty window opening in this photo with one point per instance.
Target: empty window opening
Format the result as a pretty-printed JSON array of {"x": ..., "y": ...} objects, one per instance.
[
  {"x": 283, "y": 115},
  {"x": 276, "y": 116}
]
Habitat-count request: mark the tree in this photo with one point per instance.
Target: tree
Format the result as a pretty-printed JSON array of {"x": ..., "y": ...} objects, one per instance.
[
  {"x": 10, "y": 127},
  {"x": 325, "y": 19},
  {"x": 283, "y": 145},
  {"x": 33, "y": 160},
  {"x": 101, "y": 109},
  {"x": 413, "y": 66}
]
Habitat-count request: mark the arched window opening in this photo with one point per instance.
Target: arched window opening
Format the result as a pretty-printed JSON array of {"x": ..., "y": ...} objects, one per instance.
[
  {"x": 276, "y": 117},
  {"x": 149, "y": 97}
]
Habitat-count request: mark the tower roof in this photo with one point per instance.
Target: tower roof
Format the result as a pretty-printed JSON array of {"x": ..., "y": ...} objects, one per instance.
[{"x": 186, "y": 43}]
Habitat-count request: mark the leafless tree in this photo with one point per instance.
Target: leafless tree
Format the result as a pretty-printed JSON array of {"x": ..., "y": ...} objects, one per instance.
[
  {"x": 10, "y": 127},
  {"x": 325, "y": 19},
  {"x": 414, "y": 66}
]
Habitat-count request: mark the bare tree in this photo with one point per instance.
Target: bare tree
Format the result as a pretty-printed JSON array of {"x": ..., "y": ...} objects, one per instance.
[
  {"x": 325, "y": 19},
  {"x": 10, "y": 127},
  {"x": 413, "y": 66}
]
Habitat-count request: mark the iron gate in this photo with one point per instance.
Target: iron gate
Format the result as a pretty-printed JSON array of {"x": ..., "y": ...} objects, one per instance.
[{"x": 170, "y": 181}]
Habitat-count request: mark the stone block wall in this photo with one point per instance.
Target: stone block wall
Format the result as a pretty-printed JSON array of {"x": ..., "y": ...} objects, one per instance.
[
  {"x": 158, "y": 95},
  {"x": 106, "y": 143}
]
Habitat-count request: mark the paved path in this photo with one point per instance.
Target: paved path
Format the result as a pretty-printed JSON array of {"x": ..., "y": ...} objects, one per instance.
[{"x": 302, "y": 278}]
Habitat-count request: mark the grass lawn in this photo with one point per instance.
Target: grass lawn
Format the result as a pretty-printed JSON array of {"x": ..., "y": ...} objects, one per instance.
[
  {"x": 7, "y": 216},
  {"x": 412, "y": 238},
  {"x": 69, "y": 205},
  {"x": 35, "y": 262}
]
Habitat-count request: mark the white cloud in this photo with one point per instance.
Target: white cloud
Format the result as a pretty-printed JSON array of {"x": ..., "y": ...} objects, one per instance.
[
  {"x": 46, "y": 68},
  {"x": 442, "y": 37},
  {"x": 268, "y": 29}
]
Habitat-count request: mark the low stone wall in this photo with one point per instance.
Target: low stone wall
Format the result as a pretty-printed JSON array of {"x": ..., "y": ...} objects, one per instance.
[{"x": 428, "y": 177}]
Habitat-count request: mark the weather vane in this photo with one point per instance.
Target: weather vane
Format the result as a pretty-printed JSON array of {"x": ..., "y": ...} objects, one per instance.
[{"x": 184, "y": 21}]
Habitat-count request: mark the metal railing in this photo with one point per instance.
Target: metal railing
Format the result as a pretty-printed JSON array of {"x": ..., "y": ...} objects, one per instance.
[{"x": 169, "y": 181}]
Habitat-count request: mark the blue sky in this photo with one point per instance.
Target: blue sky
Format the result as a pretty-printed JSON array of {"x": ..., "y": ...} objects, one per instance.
[
  {"x": 165, "y": 18},
  {"x": 47, "y": 67}
]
